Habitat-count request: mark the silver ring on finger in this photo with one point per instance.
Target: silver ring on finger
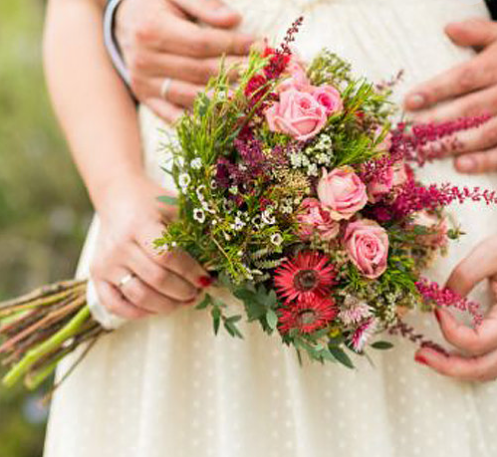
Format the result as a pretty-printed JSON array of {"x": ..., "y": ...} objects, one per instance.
[
  {"x": 125, "y": 280},
  {"x": 164, "y": 88}
]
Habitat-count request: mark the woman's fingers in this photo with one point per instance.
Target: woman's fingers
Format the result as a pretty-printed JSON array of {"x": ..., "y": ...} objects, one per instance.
[
  {"x": 137, "y": 292},
  {"x": 114, "y": 301},
  {"x": 480, "y": 369},
  {"x": 159, "y": 278},
  {"x": 473, "y": 341},
  {"x": 177, "y": 261},
  {"x": 481, "y": 263}
]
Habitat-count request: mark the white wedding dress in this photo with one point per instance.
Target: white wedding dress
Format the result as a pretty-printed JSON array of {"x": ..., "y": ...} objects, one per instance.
[{"x": 166, "y": 387}]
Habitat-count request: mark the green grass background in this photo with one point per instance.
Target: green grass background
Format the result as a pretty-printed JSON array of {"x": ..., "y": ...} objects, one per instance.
[{"x": 44, "y": 211}]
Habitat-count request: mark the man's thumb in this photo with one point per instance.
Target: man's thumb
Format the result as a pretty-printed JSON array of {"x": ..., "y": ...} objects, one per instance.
[{"x": 212, "y": 12}]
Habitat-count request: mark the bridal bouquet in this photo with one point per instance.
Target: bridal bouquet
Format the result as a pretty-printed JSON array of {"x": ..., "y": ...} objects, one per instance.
[{"x": 300, "y": 195}]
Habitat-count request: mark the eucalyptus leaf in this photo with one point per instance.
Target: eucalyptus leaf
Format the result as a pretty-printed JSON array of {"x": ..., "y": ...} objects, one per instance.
[
  {"x": 207, "y": 301},
  {"x": 272, "y": 319},
  {"x": 341, "y": 356},
  {"x": 382, "y": 345},
  {"x": 216, "y": 316}
]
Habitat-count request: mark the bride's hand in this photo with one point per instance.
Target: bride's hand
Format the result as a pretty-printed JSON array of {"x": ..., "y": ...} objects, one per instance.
[
  {"x": 131, "y": 219},
  {"x": 468, "y": 89},
  {"x": 477, "y": 359}
]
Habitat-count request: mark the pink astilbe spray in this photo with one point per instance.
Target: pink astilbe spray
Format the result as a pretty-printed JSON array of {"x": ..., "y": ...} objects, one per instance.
[
  {"x": 415, "y": 197},
  {"x": 423, "y": 142},
  {"x": 446, "y": 298},
  {"x": 400, "y": 328}
]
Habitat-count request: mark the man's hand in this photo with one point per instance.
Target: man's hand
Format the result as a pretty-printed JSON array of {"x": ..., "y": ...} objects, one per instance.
[
  {"x": 162, "y": 39},
  {"x": 469, "y": 89},
  {"x": 476, "y": 359}
]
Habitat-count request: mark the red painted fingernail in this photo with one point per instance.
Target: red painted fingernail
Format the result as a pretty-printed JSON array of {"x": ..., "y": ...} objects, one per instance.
[
  {"x": 421, "y": 359},
  {"x": 205, "y": 281},
  {"x": 438, "y": 315}
]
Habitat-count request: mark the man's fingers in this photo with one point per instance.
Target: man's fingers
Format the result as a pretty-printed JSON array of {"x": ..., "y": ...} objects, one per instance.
[
  {"x": 188, "y": 69},
  {"x": 476, "y": 32},
  {"x": 165, "y": 110},
  {"x": 481, "y": 369},
  {"x": 478, "y": 341},
  {"x": 477, "y": 162},
  {"x": 212, "y": 12},
  {"x": 467, "y": 77},
  {"x": 475, "y": 139},
  {"x": 478, "y": 265},
  {"x": 188, "y": 39},
  {"x": 474, "y": 104}
]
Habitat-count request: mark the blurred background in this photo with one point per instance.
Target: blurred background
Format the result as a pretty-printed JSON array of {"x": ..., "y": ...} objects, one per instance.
[{"x": 44, "y": 211}]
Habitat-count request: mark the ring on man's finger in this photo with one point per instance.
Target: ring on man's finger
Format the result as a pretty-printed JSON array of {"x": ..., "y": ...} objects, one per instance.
[{"x": 164, "y": 88}]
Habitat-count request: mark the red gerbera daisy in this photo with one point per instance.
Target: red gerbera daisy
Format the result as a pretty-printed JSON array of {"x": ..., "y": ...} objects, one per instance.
[
  {"x": 307, "y": 315},
  {"x": 309, "y": 274}
]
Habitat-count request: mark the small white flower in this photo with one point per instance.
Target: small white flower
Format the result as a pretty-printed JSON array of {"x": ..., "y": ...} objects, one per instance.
[
  {"x": 312, "y": 170},
  {"x": 287, "y": 210},
  {"x": 180, "y": 161},
  {"x": 174, "y": 244},
  {"x": 213, "y": 184},
  {"x": 199, "y": 193},
  {"x": 240, "y": 253},
  {"x": 238, "y": 225},
  {"x": 196, "y": 164},
  {"x": 199, "y": 215},
  {"x": 276, "y": 239},
  {"x": 268, "y": 218},
  {"x": 214, "y": 222},
  {"x": 184, "y": 180}
]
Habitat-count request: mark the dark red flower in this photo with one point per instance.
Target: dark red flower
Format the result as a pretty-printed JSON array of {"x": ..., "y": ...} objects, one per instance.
[
  {"x": 307, "y": 315},
  {"x": 308, "y": 275}
]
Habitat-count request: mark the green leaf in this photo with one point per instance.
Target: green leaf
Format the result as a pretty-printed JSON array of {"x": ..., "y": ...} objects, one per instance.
[
  {"x": 205, "y": 302},
  {"x": 382, "y": 345},
  {"x": 272, "y": 319},
  {"x": 216, "y": 316},
  {"x": 341, "y": 356},
  {"x": 234, "y": 319},
  {"x": 168, "y": 200},
  {"x": 232, "y": 329}
]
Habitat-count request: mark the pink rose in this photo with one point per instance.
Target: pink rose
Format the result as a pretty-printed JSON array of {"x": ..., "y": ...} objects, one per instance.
[
  {"x": 342, "y": 193},
  {"x": 297, "y": 114},
  {"x": 297, "y": 77},
  {"x": 437, "y": 227},
  {"x": 394, "y": 176},
  {"x": 378, "y": 188},
  {"x": 313, "y": 218},
  {"x": 329, "y": 97},
  {"x": 367, "y": 245}
]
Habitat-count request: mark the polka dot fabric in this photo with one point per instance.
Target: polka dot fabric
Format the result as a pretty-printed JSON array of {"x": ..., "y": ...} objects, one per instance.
[{"x": 166, "y": 387}]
